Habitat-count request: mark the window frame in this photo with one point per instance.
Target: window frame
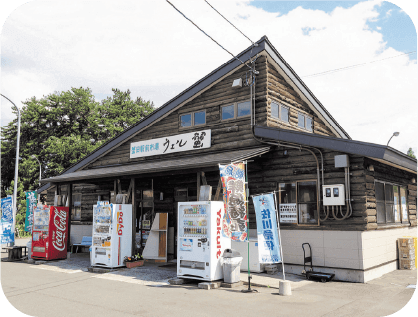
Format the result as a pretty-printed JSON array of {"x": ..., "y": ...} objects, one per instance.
[
  {"x": 386, "y": 202},
  {"x": 306, "y": 116},
  {"x": 235, "y": 104},
  {"x": 192, "y": 115},
  {"x": 280, "y": 106},
  {"x": 298, "y": 223}
]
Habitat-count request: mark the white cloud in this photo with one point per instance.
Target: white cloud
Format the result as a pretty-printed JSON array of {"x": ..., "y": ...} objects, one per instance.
[{"x": 151, "y": 49}]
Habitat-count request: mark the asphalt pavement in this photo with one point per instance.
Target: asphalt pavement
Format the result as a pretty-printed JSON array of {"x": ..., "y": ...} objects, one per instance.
[{"x": 66, "y": 288}]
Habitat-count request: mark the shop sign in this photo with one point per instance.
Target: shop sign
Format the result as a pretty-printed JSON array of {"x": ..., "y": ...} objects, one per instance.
[
  {"x": 234, "y": 222},
  {"x": 267, "y": 231},
  {"x": 7, "y": 235},
  {"x": 31, "y": 200},
  {"x": 172, "y": 144}
]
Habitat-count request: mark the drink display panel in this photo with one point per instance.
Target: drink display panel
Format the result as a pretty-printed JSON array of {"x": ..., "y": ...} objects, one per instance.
[
  {"x": 41, "y": 218},
  {"x": 194, "y": 220},
  {"x": 102, "y": 218}
]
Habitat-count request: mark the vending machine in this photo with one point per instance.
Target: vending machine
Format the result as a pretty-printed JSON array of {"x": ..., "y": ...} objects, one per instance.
[
  {"x": 200, "y": 240},
  {"x": 50, "y": 232},
  {"x": 112, "y": 234}
]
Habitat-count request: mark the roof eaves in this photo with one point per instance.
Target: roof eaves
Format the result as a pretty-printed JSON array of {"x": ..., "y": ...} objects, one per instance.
[{"x": 371, "y": 150}]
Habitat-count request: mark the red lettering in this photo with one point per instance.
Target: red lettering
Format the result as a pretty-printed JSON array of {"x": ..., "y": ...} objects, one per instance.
[{"x": 218, "y": 254}]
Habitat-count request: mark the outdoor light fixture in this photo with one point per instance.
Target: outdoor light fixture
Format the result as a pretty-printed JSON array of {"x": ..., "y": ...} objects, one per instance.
[
  {"x": 237, "y": 83},
  {"x": 394, "y": 134},
  {"x": 16, "y": 167}
]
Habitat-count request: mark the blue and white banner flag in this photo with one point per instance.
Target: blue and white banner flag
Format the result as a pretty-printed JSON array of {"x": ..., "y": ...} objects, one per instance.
[
  {"x": 268, "y": 239},
  {"x": 7, "y": 235}
]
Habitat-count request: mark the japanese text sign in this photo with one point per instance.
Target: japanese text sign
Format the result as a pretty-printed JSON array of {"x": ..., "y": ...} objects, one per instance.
[
  {"x": 177, "y": 143},
  {"x": 234, "y": 222},
  {"x": 7, "y": 235},
  {"x": 31, "y": 200},
  {"x": 267, "y": 231}
]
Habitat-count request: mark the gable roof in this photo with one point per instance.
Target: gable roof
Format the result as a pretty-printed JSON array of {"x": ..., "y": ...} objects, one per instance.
[{"x": 206, "y": 82}]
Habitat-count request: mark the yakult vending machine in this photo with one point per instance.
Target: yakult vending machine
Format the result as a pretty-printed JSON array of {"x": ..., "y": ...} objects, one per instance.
[
  {"x": 200, "y": 240},
  {"x": 50, "y": 232},
  {"x": 112, "y": 234}
]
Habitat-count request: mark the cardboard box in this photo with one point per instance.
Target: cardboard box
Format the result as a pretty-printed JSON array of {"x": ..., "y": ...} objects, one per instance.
[
  {"x": 406, "y": 243},
  {"x": 406, "y": 253},
  {"x": 405, "y": 264}
]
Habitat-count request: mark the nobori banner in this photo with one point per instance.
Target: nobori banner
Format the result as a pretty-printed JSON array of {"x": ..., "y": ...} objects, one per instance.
[
  {"x": 267, "y": 231},
  {"x": 31, "y": 200},
  {"x": 177, "y": 143},
  {"x": 7, "y": 235}
]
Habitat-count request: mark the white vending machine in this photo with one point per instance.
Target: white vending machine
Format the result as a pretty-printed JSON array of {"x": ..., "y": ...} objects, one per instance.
[
  {"x": 201, "y": 243},
  {"x": 112, "y": 234}
]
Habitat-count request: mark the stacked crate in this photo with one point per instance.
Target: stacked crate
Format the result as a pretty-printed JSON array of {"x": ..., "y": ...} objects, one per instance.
[{"x": 406, "y": 249}]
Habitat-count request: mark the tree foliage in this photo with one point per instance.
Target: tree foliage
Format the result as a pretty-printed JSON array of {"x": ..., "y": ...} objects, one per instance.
[
  {"x": 411, "y": 153},
  {"x": 62, "y": 128}
]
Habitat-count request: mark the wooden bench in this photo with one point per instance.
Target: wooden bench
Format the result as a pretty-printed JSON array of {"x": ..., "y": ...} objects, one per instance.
[
  {"x": 15, "y": 252},
  {"x": 85, "y": 242}
]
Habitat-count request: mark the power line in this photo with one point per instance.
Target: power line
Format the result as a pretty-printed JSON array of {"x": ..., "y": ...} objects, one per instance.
[
  {"x": 354, "y": 66},
  {"x": 229, "y": 22},
  {"x": 208, "y": 35}
]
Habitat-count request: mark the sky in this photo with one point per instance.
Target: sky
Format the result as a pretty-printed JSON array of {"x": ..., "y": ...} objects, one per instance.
[{"x": 150, "y": 49}]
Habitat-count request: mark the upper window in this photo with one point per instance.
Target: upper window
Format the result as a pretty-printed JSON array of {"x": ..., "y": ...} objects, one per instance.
[
  {"x": 280, "y": 111},
  {"x": 304, "y": 121},
  {"x": 391, "y": 203},
  {"x": 192, "y": 119},
  {"x": 236, "y": 110}
]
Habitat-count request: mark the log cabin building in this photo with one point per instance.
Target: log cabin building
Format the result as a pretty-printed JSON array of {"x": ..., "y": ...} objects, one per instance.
[{"x": 293, "y": 146}]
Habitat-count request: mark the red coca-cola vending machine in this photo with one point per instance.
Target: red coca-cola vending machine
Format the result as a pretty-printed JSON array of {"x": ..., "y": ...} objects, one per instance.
[{"x": 50, "y": 232}]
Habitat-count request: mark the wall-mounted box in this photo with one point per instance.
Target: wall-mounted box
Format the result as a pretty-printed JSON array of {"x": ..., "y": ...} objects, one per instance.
[
  {"x": 333, "y": 195},
  {"x": 341, "y": 161}
]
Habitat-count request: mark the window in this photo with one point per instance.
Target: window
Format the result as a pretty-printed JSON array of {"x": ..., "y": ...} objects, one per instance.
[
  {"x": 76, "y": 210},
  {"x": 236, "y": 110},
  {"x": 391, "y": 203},
  {"x": 298, "y": 202},
  {"x": 307, "y": 202},
  {"x": 280, "y": 112},
  {"x": 193, "y": 119},
  {"x": 304, "y": 121}
]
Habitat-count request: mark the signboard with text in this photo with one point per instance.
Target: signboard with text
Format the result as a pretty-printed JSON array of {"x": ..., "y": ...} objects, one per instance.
[{"x": 177, "y": 143}]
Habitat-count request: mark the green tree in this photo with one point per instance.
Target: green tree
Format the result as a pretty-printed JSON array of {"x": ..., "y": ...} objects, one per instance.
[
  {"x": 411, "y": 153},
  {"x": 62, "y": 128},
  {"x": 120, "y": 111}
]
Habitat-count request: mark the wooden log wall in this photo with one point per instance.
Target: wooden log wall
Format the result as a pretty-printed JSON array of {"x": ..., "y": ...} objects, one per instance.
[
  {"x": 383, "y": 172},
  {"x": 280, "y": 91},
  {"x": 301, "y": 165},
  {"x": 265, "y": 173},
  {"x": 226, "y": 135}
]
